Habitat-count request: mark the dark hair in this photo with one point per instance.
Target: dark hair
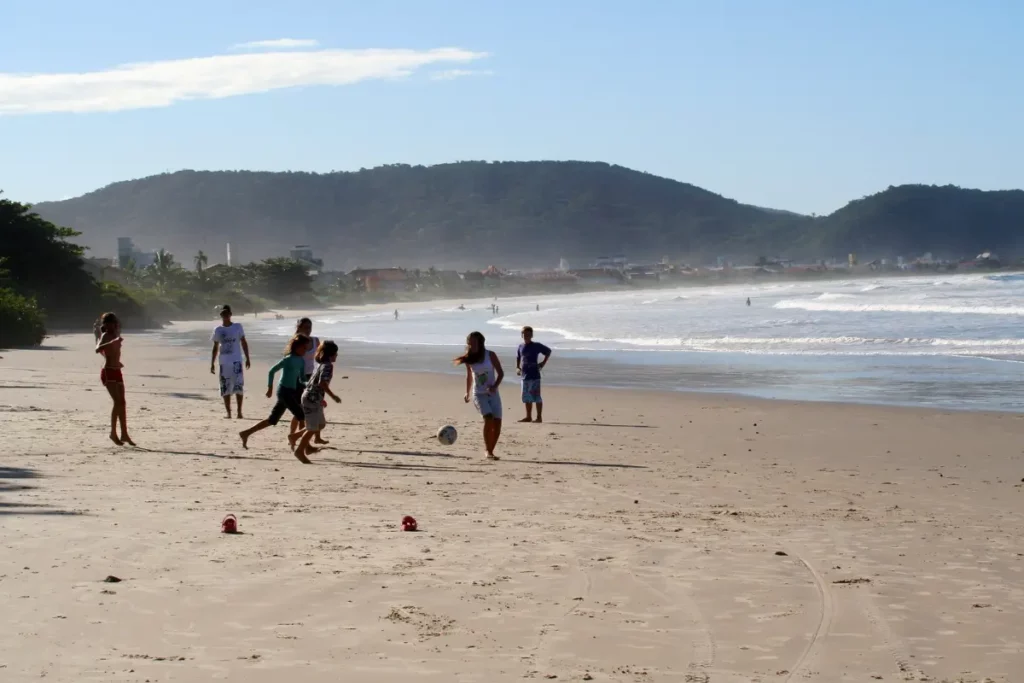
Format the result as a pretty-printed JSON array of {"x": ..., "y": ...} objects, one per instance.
[
  {"x": 327, "y": 350},
  {"x": 107, "y": 322},
  {"x": 295, "y": 342},
  {"x": 302, "y": 322},
  {"x": 527, "y": 330},
  {"x": 471, "y": 357}
]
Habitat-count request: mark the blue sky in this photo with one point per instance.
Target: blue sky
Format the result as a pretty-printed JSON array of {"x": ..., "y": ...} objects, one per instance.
[{"x": 794, "y": 104}]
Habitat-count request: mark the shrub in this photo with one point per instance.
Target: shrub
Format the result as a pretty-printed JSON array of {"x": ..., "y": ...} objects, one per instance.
[{"x": 21, "y": 321}]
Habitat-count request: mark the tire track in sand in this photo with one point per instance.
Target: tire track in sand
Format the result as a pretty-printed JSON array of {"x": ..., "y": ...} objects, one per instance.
[
  {"x": 826, "y": 610},
  {"x": 703, "y": 649},
  {"x": 893, "y": 644}
]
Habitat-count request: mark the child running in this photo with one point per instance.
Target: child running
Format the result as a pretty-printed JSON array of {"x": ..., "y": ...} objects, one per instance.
[
  {"x": 289, "y": 397},
  {"x": 109, "y": 346},
  {"x": 527, "y": 365},
  {"x": 483, "y": 376},
  {"x": 305, "y": 326},
  {"x": 313, "y": 399}
]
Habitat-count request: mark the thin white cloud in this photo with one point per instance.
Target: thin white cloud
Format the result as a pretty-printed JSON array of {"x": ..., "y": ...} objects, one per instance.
[
  {"x": 161, "y": 84},
  {"x": 278, "y": 44},
  {"x": 452, "y": 74}
]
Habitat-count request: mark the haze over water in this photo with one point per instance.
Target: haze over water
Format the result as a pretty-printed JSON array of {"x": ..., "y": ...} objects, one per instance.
[{"x": 954, "y": 341}]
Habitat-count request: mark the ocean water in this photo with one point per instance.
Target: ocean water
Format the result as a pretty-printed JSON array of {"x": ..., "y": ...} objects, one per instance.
[{"x": 953, "y": 341}]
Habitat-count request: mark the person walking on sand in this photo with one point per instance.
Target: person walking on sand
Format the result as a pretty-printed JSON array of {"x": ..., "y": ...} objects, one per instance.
[
  {"x": 313, "y": 399},
  {"x": 229, "y": 342},
  {"x": 289, "y": 397},
  {"x": 483, "y": 377},
  {"x": 111, "y": 376},
  {"x": 528, "y": 366}
]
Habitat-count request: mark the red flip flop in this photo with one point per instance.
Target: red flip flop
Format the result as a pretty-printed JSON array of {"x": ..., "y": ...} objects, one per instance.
[
  {"x": 229, "y": 525},
  {"x": 408, "y": 523}
]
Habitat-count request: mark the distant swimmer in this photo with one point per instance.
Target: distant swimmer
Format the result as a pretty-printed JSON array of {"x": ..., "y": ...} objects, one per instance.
[
  {"x": 538, "y": 307},
  {"x": 461, "y": 307},
  {"x": 748, "y": 300}
]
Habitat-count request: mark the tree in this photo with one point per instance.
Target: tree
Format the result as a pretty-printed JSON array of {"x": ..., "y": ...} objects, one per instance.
[
  {"x": 43, "y": 266},
  {"x": 283, "y": 279},
  {"x": 163, "y": 270},
  {"x": 21, "y": 321},
  {"x": 201, "y": 261}
]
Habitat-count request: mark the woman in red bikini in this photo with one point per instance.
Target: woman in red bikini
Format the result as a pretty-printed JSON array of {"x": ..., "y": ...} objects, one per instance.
[{"x": 109, "y": 345}]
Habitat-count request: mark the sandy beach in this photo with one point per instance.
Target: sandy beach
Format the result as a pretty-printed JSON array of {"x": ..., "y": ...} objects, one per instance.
[{"x": 635, "y": 536}]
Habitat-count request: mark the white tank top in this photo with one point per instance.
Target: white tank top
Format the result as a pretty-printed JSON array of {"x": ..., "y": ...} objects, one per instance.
[
  {"x": 483, "y": 374},
  {"x": 310, "y": 358}
]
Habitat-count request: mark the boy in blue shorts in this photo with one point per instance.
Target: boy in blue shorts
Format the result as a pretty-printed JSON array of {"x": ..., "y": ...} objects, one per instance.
[{"x": 529, "y": 365}]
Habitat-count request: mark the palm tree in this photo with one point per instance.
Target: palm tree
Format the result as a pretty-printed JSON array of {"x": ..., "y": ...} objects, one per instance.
[
  {"x": 200, "y": 260},
  {"x": 163, "y": 268}
]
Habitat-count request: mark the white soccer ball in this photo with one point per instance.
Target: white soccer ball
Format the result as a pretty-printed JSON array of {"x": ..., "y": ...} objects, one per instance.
[{"x": 447, "y": 435}]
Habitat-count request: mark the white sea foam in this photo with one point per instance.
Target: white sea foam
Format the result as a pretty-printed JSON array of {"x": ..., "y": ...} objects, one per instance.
[{"x": 899, "y": 308}]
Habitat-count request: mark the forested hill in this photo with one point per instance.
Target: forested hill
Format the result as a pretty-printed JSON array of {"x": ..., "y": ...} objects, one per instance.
[
  {"x": 471, "y": 213},
  {"x": 515, "y": 214},
  {"x": 911, "y": 219}
]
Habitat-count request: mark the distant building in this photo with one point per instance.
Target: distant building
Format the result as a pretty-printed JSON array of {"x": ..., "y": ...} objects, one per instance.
[
  {"x": 303, "y": 253},
  {"x": 127, "y": 253},
  {"x": 381, "y": 279}
]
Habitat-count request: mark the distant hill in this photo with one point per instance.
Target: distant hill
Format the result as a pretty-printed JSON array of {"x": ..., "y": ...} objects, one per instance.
[
  {"x": 513, "y": 214},
  {"x": 911, "y": 219},
  {"x": 473, "y": 213}
]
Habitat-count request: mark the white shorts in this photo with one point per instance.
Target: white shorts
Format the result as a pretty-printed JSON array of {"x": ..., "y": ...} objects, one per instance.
[
  {"x": 232, "y": 378},
  {"x": 489, "y": 405}
]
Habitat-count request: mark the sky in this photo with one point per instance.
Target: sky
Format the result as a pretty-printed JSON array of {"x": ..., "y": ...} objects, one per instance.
[{"x": 792, "y": 104}]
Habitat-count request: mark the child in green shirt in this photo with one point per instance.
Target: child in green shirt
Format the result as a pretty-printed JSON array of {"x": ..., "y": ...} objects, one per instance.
[{"x": 289, "y": 389}]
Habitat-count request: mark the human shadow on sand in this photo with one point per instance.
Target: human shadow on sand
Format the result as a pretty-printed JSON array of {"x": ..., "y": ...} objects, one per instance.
[
  {"x": 399, "y": 466},
  {"x": 10, "y": 478},
  {"x": 598, "y": 424},
  {"x": 219, "y": 456},
  {"x": 576, "y": 463},
  {"x": 413, "y": 454}
]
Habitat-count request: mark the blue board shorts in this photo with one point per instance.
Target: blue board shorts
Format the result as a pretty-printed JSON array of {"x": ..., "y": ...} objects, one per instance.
[
  {"x": 489, "y": 405},
  {"x": 531, "y": 391}
]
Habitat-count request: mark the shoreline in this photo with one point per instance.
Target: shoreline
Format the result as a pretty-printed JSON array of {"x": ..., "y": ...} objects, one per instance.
[{"x": 705, "y": 374}]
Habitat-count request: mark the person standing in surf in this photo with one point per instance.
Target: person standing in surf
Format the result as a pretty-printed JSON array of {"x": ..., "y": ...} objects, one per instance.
[
  {"x": 229, "y": 343},
  {"x": 483, "y": 377}
]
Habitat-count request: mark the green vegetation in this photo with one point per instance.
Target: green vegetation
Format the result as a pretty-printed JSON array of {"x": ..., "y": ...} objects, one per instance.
[
  {"x": 45, "y": 283},
  {"x": 168, "y": 291},
  {"x": 21, "y": 321}
]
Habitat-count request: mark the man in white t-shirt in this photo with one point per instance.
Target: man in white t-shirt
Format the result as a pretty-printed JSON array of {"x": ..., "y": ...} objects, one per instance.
[{"x": 229, "y": 340}]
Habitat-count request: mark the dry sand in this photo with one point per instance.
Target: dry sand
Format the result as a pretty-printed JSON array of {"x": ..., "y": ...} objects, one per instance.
[{"x": 635, "y": 537}]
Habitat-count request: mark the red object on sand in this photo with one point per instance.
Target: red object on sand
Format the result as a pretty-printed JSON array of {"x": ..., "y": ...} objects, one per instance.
[
  {"x": 408, "y": 523},
  {"x": 229, "y": 525}
]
